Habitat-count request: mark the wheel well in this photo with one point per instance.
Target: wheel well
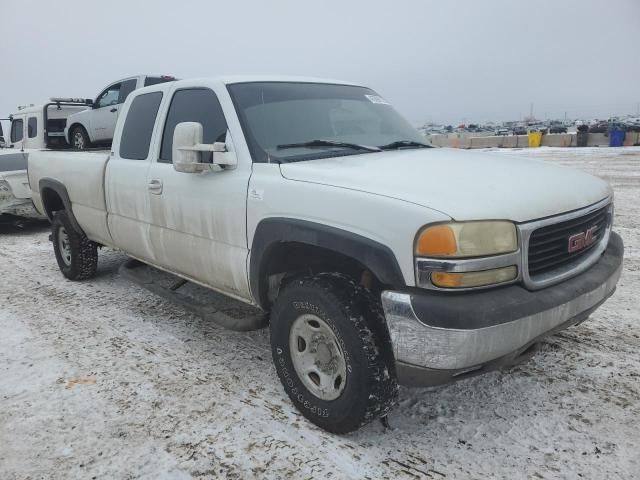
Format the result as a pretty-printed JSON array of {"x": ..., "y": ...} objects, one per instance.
[
  {"x": 51, "y": 201},
  {"x": 286, "y": 260}
]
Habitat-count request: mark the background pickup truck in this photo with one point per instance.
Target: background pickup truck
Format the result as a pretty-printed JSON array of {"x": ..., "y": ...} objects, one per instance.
[
  {"x": 95, "y": 126},
  {"x": 380, "y": 260}
]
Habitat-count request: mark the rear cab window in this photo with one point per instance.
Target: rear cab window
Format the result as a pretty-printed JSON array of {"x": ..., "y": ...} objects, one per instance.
[
  {"x": 138, "y": 126},
  {"x": 148, "y": 81},
  {"x": 126, "y": 88}
]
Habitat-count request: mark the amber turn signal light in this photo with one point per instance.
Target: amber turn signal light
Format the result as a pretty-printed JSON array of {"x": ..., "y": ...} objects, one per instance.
[
  {"x": 436, "y": 241},
  {"x": 474, "y": 279}
]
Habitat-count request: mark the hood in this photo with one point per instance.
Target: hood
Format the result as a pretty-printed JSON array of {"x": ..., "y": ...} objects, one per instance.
[{"x": 462, "y": 184}]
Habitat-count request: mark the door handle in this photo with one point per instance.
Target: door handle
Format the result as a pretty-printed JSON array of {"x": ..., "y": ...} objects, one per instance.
[
  {"x": 113, "y": 110},
  {"x": 155, "y": 186}
]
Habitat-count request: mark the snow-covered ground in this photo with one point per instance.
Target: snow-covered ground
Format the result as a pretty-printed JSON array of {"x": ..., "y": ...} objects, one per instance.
[{"x": 102, "y": 379}]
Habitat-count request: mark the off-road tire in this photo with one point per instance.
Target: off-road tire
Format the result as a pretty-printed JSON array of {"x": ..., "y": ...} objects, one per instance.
[
  {"x": 85, "y": 143},
  {"x": 357, "y": 321},
  {"x": 84, "y": 252}
]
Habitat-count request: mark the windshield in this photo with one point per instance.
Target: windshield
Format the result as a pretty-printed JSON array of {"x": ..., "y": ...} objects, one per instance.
[{"x": 285, "y": 121}]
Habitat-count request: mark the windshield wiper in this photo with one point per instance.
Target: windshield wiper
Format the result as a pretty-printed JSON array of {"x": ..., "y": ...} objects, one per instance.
[
  {"x": 328, "y": 143},
  {"x": 403, "y": 143}
]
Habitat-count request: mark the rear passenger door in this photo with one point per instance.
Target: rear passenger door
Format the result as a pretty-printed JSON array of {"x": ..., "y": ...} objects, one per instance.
[
  {"x": 199, "y": 220},
  {"x": 126, "y": 178}
]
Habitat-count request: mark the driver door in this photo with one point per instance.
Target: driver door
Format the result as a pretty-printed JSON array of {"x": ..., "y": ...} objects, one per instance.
[
  {"x": 105, "y": 113},
  {"x": 198, "y": 221}
]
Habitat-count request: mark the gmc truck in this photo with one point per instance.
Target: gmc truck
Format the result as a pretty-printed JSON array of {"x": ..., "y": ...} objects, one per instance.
[{"x": 380, "y": 261}]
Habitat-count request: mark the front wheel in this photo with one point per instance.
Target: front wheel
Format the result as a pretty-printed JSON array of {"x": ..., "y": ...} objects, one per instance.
[
  {"x": 80, "y": 139},
  {"x": 331, "y": 352},
  {"x": 77, "y": 256}
]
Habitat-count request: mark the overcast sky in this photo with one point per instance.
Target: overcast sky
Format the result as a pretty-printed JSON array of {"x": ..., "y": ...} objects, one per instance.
[{"x": 443, "y": 60}]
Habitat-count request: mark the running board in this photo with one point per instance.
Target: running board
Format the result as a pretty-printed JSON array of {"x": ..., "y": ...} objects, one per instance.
[{"x": 216, "y": 307}]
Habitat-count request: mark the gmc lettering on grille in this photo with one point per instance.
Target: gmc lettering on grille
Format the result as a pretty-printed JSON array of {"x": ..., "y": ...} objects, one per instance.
[{"x": 582, "y": 240}]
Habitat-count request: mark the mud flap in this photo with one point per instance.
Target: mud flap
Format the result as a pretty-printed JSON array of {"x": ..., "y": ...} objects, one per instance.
[{"x": 215, "y": 307}]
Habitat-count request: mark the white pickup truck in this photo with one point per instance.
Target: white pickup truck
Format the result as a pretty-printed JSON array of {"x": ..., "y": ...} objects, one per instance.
[
  {"x": 381, "y": 261},
  {"x": 96, "y": 125}
]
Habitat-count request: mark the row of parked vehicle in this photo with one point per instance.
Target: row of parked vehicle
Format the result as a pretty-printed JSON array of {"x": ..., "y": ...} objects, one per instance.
[
  {"x": 376, "y": 260},
  {"x": 522, "y": 130}
]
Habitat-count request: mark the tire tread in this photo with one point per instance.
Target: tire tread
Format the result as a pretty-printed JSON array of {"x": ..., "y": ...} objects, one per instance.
[
  {"x": 84, "y": 262},
  {"x": 366, "y": 316}
]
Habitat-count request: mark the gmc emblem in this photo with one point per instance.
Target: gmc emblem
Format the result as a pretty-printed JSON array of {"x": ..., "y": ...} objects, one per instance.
[{"x": 582, "y": 240}]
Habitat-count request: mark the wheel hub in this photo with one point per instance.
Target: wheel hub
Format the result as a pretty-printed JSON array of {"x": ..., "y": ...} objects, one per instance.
[
  {"x": 326, "y": 357},
  {"x": 317, "y": 357},
  {"x": 64, "y": 246},
  {"x": 78, "y": 140}
]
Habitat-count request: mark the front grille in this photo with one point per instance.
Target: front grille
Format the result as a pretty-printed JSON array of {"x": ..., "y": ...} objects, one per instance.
[{"x": 549, "y": 245}]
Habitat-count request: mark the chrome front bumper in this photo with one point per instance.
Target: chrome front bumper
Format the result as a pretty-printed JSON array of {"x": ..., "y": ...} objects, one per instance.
[{"x": 470, "y": 331}]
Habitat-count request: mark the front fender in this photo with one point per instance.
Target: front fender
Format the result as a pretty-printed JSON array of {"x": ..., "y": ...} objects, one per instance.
[{"x": 376, "y": 257}]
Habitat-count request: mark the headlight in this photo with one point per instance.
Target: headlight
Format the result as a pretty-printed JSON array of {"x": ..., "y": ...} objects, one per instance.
[{"x": 466, "y": 239}]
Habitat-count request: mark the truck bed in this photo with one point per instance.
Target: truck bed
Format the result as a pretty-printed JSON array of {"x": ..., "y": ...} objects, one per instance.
[{"x": 82, "y": 175}]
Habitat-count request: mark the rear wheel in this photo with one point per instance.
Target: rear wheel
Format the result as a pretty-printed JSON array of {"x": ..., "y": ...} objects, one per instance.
[
  {"x": 331, "y": 353},
  {"x": 80, "y": 138},
  {"x": 77, "y": 256}
]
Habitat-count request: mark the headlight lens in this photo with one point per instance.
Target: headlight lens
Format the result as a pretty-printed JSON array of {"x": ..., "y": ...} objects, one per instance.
[{"x": 466, "y": 239}]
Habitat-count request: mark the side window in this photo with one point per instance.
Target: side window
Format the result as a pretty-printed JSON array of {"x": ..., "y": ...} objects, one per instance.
[
  {"x": 109, "y": 96},
  {"x": 126, "y": 88},
  {"x": 193, "y": 105},
  {"x": 17, "y": 130},
  {"x": 32, "y": 127},
  {"x": 138, "y": 126}
]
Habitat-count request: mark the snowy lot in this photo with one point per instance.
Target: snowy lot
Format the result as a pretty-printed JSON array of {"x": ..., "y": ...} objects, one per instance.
[{"x": 102, "y": 379}]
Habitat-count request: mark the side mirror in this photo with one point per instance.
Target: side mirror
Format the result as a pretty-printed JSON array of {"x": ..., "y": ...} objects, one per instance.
[
  {"x": 188, "y": 148},
  {"x": 2, "y": 142}
]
